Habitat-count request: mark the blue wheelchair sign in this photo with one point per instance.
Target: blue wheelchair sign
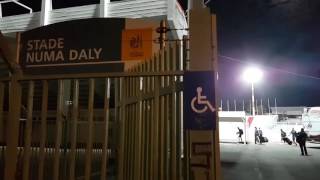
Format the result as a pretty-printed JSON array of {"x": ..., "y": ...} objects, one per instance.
[{"x": 199, "y": 100}]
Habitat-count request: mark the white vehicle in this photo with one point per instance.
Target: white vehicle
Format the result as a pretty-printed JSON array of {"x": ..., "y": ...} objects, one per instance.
[{"x": 311, "y": 123}]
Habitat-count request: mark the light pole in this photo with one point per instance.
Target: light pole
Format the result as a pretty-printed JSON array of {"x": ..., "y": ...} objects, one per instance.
[{"x": 252, "y": 75}]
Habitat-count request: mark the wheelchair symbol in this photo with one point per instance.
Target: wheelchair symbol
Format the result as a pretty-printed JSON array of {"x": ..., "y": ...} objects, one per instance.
[{"x": 201, "y": 100}]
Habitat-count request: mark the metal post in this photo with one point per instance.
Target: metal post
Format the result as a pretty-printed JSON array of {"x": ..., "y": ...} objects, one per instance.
[
  {"x": 243, "y": 105},
  {"x": 11, "y": 155},
  {"x": 73, "y": 134},
  {"x": 2, "y": 128},
  {"x": 203, "y": 57},
  {"x": 256, "y": 107},
  {"x": 228, "y": 105},
  {"x": 58, "y": 130},
  {"x": 105, "y": 147},
  {"x": 252, "y": 97},
  {"x": 0, "y": 11},
  {"x": 28, "y": 133},
  {"x": 275, "y": 105},
  {"x": 44, "y": 110},
  {"x": 162, "y": 36},
  {"x": 104, "y": 9},
  {"x": 46, "y": 7},
  {"x": 269, "y": 106},
  {"x": 88, "y": 158},
  {"x": 261, "y": 106}
]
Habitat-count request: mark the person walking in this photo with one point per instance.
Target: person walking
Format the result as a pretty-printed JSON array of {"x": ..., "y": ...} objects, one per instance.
[
  {"x": 301, "y": 139},
  {"x": 260, "y": 135},
  {"x": 283, "y": 135},
  {"x": 294, "y": 135},
  {"x": 240, "y": 133},
  {"x": 256, "y": 135}
]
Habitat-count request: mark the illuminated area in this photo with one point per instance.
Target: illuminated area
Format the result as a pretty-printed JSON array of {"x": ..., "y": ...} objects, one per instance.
[{"x": 252, "y": 75}]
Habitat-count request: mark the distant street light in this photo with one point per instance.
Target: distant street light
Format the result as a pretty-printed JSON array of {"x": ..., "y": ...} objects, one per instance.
[{"x": 252, "y": 75}]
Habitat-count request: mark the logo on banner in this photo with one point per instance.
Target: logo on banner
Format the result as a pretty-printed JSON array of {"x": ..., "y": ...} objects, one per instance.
[{"x": 136, "y": 44}]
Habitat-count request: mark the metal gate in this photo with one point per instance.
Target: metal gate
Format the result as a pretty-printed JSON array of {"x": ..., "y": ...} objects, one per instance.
[{"x": 124, "y": 126}]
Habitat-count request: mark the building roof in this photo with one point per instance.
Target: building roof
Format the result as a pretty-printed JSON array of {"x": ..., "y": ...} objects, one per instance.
[{"x": 159, "y": 9}]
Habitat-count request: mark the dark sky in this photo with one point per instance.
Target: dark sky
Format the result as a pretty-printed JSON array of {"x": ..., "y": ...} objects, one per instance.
[{"x": 281, "y": 36}]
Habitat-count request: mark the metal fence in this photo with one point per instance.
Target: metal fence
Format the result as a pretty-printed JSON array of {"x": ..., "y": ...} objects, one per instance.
[{"x": 95, "y": 126}]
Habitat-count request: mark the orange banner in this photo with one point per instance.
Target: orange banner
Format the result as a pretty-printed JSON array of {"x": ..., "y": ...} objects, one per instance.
[{"x": 136, "y": 44}]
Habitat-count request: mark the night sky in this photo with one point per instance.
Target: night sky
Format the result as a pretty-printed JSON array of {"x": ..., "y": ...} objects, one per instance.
[{"x": 280, "y": 36}]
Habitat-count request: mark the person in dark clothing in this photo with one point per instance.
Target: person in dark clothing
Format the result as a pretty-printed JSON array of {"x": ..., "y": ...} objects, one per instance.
[
  {"x": 301, "y": 139},
  {"x": 256, "y": 135},
  {"x": 283, "y": 135},
  {"x": 294, "y": 134},
  {"x": 240, "y": 133},
  {"x": 260, "y": 135}
]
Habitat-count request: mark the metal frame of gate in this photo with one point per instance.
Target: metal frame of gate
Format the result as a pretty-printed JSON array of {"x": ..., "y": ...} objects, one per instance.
[{"x": 146, "y": 125}]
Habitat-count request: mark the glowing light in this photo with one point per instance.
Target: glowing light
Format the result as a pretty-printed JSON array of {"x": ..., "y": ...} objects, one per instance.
[{"x": 252, "y": 75}]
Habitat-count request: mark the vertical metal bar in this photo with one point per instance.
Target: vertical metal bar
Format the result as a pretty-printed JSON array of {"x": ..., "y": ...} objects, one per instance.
[
  {"x": 56, "y": 160},
  {"x": 133, "y": 141},
  {"x": 12, "y": 133},
  {"x": 126, "y": 129},
  {"x": 121, "y": 89},
  {"x": 228, "y": 105},
  {"x": 162, "y": 60},
  {"x": 143, "y": 142},
  {"x": 166, "y": 131},
  {"x": 261, "y": 107},
  {"x": 0, "y": 10},
  {"x": 137, "y": 128},
  {"x": 269, "y": 106},
  {"x": 179, "y": 137},
  {"x": 105, "y": 130},
  {"x": 144, "y": 127},
  {"x": 12, "y": 129},
  {"x": 243, "y": 105},
  {"x": 149, "y": 138},
  {"x": 44, "y": 110},
  {"x": 162, "y": 138},
  {"x": 74, "y": 125},
  {"x": 2, "y": 129},
  {"x": 128, "y": 142},
  {"x": 28, "y": 133},
  {"x": 156, "y": 122},
  {"x": 147, "y": 142},
  {"x": 90, "y": 130},
  {"x": 141, "y": 109},
  {"x": 275, "y": 105},
  {"x": 168, "y": 59},
  {"x": 173, "y": 130},
  {"x": 173, "y": 119}
]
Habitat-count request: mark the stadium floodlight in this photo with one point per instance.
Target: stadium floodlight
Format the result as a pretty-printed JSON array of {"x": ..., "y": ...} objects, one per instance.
[{"x": 252, "y": 75}]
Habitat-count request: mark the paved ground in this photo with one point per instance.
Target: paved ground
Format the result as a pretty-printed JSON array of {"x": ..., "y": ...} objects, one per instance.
[{"x": 272, "y": 161}]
